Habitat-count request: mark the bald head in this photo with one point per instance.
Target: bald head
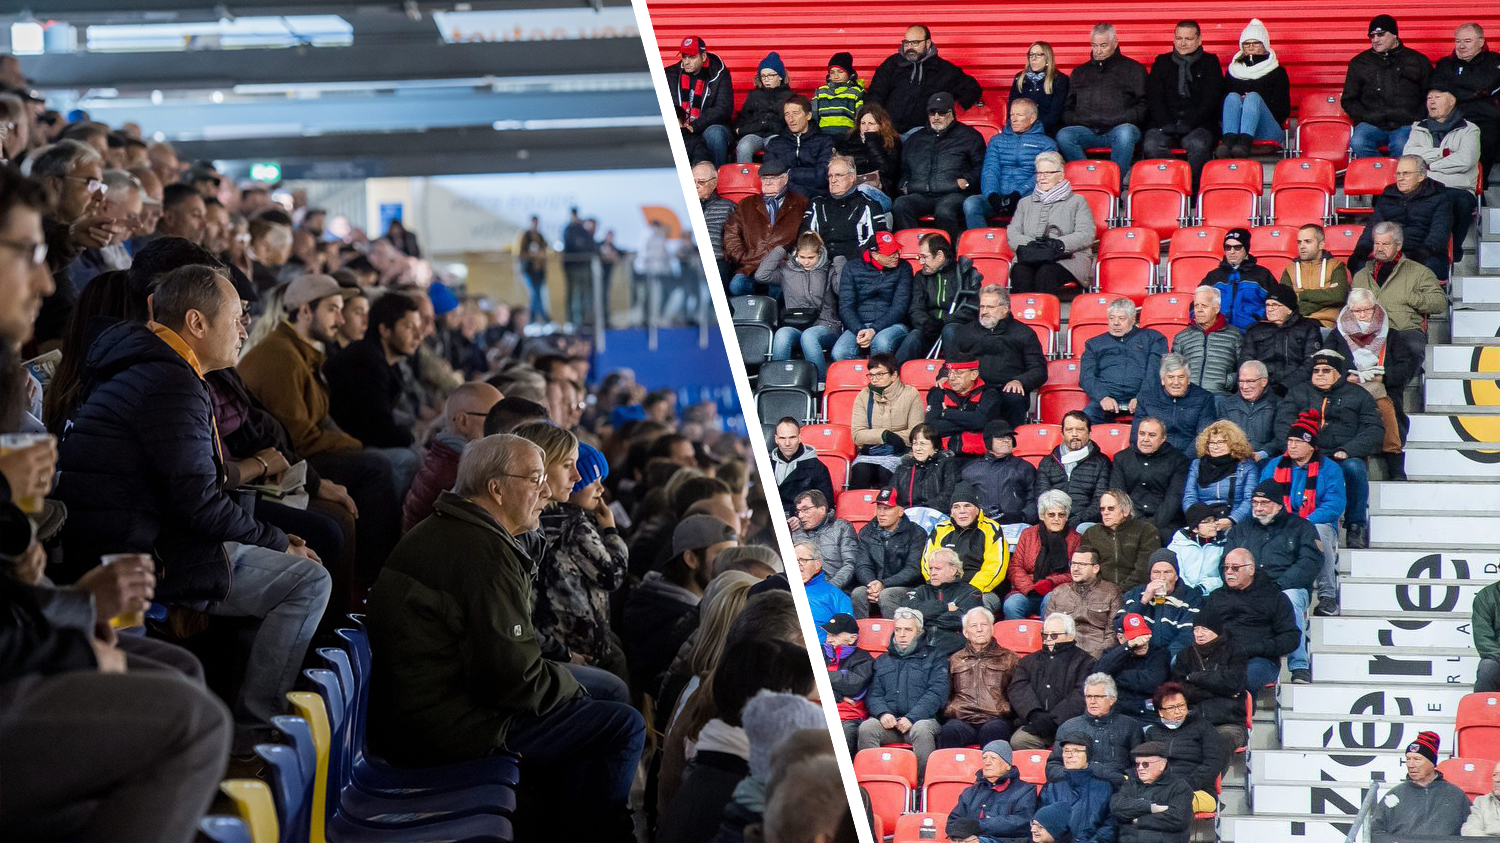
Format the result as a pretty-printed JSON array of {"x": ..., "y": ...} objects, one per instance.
[
  {"x": 1239, "y": 568},
  {"x": 467, "y": 407}
]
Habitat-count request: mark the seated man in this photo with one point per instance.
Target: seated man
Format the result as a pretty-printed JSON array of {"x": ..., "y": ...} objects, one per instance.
[
  {"x": 1425, "y": 804},
  {"x": 802, "y": 148},
  {"x": 1424, "y": 210},
  {"x": 1078, "y": 468},
  {"x": 1243, "y": 284},
  {"x": 944, "y": 298},
  {"x": 850, "y": 670},
  {"x": 1106, "y": 103},
  {"x": 824, "y": 598},
  {"x": 1077, "y": 805},
  {"x": 833, "y": 536},
  {"x": 451, "y": 612},
  {"x": 1137, "y": 663},
  {"x": 943, "y": 600},
  {"x": 874, "y": 294},
  {"x": 1091, "y": 603},
  {"x": 1113, "y": 732},
  {"x": 1485, "y": 617},
  {"x": 1005, "y": 482},
  {"x": 1009, "y": 165},
  {"x": 1122, "y": 543},
  {"x": 1168, "y": 604},
  {"x": 1383, "y": 90},
  {"x": 1285, "y": 548},
  {"x": 904, "y": 92},
  {"x": 1319, "y": 280},
  {"x": 978, "y": 711},
  {"x": 759, "y": 224},
  {"x": 845, "y": 218},
  {"x": 466, "y": 410},
  {"x": 888, "y": 558},
  {"x": 1472, "y": 73},
  {"x": 1210, "y": 345},
  {"x": 1315, "y": 491},
  {"x": 1047, "y": 686},
  {"x": 1196, "y": 752},
  {"x": 1154, "y": 803},
  {"x": 364, "y": 385},
  {"x": 701, "y": 86},
  {"x": 1211, "y": 669},
  {"x": 1283, "y": 342},
  {"x": 1451, "y": 147},
  {"x": 1010, "y": 355},
  {"x": 940, "y": 166},
  {"x": 1351, "y": 431},
  {"x": 998, "y": 805},
  {"x": 797, "y": 468},
  {"x": 959, "y": 407},
  {"x": 1407, "y": 290},
  {"x": 140, "y": 472},
  {"x": 1252, "y": 408},
  {"x": 1119, "y": 364},
  {"x": 1257, "y": 617},
  {"x": 1152, "y": 473},
  {"x": 910, "y": 687},
  {"x": 1184, "y": 95},
  {"x": 1183, "y": 406},
  {"x": 979, "y": 542}
]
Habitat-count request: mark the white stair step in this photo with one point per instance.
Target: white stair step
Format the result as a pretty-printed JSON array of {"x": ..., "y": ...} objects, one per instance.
[
  {"x": 1431, "y": 464},
  {"x": 1465, "y": 360},
  {"x": 1324, "y": 697},
  {"x": 1434, "y": 431},
  {"x": 1435, "y": 530},
  {"x": 1391, "y": 632},
  {"x": 1469, "y": 290},
  {"x": 1441, "y": 498},
  {"x": 1404, "y": 669},
  {"x": 1298, "y": 798},
  {"x": 1396, "y": 596},
  {"x": 1420, "y": 564},
  {"x": 1303, "y": 828},
  {"x": 1477, "y": 325},
  {"x": 1489, "y": 222},
  {"x": 1489, "y": 256},
  {"x": 1359, "y": 731},
  {"x": 1318, "y": 767}
]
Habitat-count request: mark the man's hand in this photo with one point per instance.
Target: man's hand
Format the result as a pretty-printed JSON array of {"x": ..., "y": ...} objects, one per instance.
[
  {"x": 864, "y": 337},
  {"x": 1223, "y": 524},
  {"x": 903, "y": 725},
  {"x": 874, "y": 589},
  {"x": 1158, "y": 809},
  {"x": 336, "y": 494},
  {"x": 1153, "y": 588},
  {"x": 1014, "y": 387},
  {"x": 110, "y": 659},
  {"x": 32, "y": 564},
  {"x": 127, "y": 585},
  {"x": 1133, "y": 403},
  {"x": 577, "y": 658},
  {"x": 793, "y": 524},
  {"x": 29, "y": 470},
  {"x": 963, "y": 184},
  {"x": 888, "y": 721},
  {"x": 953, "y": 607},
  {"x": 297, "y": 547},
  {"x": 1341, "y": 454},
  {"x": 92, "y": 231},
  {"x": 1109, "y": 405},
  {"x": 276, "y": 464}
]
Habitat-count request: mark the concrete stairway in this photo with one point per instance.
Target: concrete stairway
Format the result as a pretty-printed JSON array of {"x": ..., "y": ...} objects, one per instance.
[{"x": 1400, "y": 657}]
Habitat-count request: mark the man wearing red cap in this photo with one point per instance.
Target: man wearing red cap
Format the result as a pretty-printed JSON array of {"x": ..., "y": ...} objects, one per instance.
[
  {"x": 1138, "y": 666},
  {"x": 1425, "y": 804},
  {"x": 959, "y": 410},
  {"x": 700, "y": 85},
  {"x": 874, "y": 294}
]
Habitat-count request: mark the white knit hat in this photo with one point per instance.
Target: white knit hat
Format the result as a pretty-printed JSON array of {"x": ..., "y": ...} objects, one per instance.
[
  {"x": 769, "y": 718},
  {"x": 1256, "y": 31}
]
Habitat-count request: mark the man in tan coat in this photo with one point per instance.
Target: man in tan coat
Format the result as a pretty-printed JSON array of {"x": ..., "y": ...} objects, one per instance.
[
  {"x": 885, "y": 412},
  {"x": 1320, "y": 279},
  {"x": 1089, "y": 601}
]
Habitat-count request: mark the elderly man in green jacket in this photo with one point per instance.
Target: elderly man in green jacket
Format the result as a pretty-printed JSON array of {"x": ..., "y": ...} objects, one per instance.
[{"x": 457, "y": 671}]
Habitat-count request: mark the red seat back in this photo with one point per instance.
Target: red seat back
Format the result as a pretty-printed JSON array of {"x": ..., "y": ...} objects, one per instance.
[
  {"x": 1230, "y": 193},
  {"x": 1079, "y": 335},
  {"x": 1031, "y": 765},
  {"x": 838, "y": 406},
  {"x": 1165, "y": 310},
  {"x": 829, "y": 440},
  {"x": 1021, "y": 637},
  {"x": 846, "y": 374},
  {"x": 1063, "y": 372},
  {"x": 886, "y": 761},
  {"x": 737, "y": 181},
  {"x": 1132, "y": 241},
  {"x": 993, "y": 270},
  {"x": 1037, "y": 309},
  {"x": 985, "y": 242},
  {"x": 1057, "y": 401},
  {"x": 1477, "y": 726},
  {"x": 874, "y": 635},
  {"x": 1089, "y": 309},
  {"x": 909, "y": 239},
  {"x": 1111, "y": 438},
  {"x": 920, "y": 828},
  {"x": 1471, "y": 775},
  {"x": 1369, "y": 176},
  {"x": 1319, "y": 104},
  {"x": 1037, "y": 440},
  {"x": 857, "y": 506},
  {"x": 1198, "y": 240},
  {"x": 1340, "y": 240},
  {"x": 921, "y": 373},
  {"x": 1093, "y": 174},
  {"x": 1158, "y": 195},
  {"x": 1326, "y": 139},
  {"x": 838, "y": 470},
  {"x": 889, "y": 797}
]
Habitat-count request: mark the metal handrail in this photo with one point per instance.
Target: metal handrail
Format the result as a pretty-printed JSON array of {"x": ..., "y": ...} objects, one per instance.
[{"x": 1364, "y": 813}]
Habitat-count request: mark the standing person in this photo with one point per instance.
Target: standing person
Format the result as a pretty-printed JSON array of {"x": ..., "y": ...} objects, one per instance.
[
  {"x": 1257, "y": 95},
  {"x": 531, "y": 251},
  {"x": 1184, "y": 92},
  {"x": 1319, "y": 280},
  {"x": 1242, "y": 282},
  {"x": 701, "y": 85},
  {"x": 978, "y": 710},
  {"x": 760, "y": 117},
  {"x": 1044, "y": 84},
  {"x": 1383, "y": 90},
  {"x": 905, "y": 82},
  {"x": 1106, "y": 103},
  {"x": 1472, "y": 71},
  {"x": 1052, "y": 234},
  {"x": 837, "y": 101},
  {"x": 716, "y": 211},
  {"x": 809, "y": 280},
  {"x": 1425, "y": 804},
  {"x": 940, "y": 168},
  {"x": 1009, "y": 164},
  {"x": 578, "y": 266}
]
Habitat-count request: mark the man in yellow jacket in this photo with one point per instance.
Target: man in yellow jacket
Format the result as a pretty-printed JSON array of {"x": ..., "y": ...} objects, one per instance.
[{"x": 980, "y": 545}]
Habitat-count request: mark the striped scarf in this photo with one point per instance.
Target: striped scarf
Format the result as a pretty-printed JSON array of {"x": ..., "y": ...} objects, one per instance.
[{"x": 1060, "y": 191}]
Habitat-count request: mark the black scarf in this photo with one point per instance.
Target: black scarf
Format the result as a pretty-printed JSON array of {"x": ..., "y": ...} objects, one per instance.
[
  {"x": 1439, "y": 129},
  {"x": 1213, "y": 469},
  {"x": 1053, "y": 558},
  {"x": 1185, "y": 71}
]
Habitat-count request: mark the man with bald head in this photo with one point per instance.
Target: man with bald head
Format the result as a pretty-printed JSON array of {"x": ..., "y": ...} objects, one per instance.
[
  {"x": 1473, "y": 72},
  {"x": 165, "y": 163},
  {"x": 465, "y": 412},
  {"x": 1258, "y": 617}
]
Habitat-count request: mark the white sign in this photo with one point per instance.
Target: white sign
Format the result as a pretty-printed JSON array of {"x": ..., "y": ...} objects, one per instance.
[{"x": 537, "y": 25}]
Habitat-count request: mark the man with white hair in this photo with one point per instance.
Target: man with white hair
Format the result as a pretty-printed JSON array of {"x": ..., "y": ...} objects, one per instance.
[
  {"x": 1252, "y": 406},
  {"x": 909, "y": 688},
  {"x": 716, "y": 209},
  {"x": 944, "y": 599},
  {"x": 1450, "y": 146},
  {"x": 1114, "y": 734},
  {"x": 978, "y": 710},
  {"x": 73, "y": 175},
  {"x": 1210, "y": 345},
  {"x": 1424, "y": 211},
  {"x": 1047, "y": 687},
  {"x": 1107, "y": 103},
  {"x": 122, "y": 204},
  {"x": 1183, "y": 406},
  {"x": 1119, "y": 364}
]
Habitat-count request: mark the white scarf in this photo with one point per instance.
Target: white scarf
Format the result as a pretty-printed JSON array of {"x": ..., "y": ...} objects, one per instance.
[
  {"x": 1240, "y": 70},
  {"x": 1072, "y": 458},
  {"x": 718, "y": 736}
]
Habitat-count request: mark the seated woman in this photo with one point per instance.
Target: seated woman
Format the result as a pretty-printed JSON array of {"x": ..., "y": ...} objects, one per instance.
[
  {"x": 760, "y": 117},
  {"x": 886, "y": 412},
  {"x": 1257, "y": 95},
  {"x": 1224, "y": 472},
  {"x": 1043, "y": 83},
  {"x": 875, "y": 146},
  {"x": 1200, "y": 547},
  {"x": 1380, "y": 363},
  {"x": 925, "y": 477},
  {"x": 1042, "y": 556},
  {"x": 809, "y": 283},
  {"x": 1212, "y": 672},
  {"x": 1052, "y": 235}
]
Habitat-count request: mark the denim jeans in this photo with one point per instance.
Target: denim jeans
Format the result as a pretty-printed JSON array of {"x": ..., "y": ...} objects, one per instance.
[
  {"x": 584, "y": 746},
  {"x": 1357, "y": 488},
  {"x": 881, "y": 197},
  {"x": 404, "y": 464},
  {"x": 288, "y": 594},
  {"x": 885, "y": 342},
  {"x": 1367, "y": 140},
  {"x": 744, "y": 151},
  {"x": 1259, "y": 672},
  {"x": 718, "y": 137},
  {"x": 977, "y": 210},
  {"x": 536, "y": 283},
  {"x": 602, "y": 685},
  {"x": 956, "y": 734},
  {"x": 1248, "y": 114},
  {"x": 1298, "y": 659},
  {"x": 1327, "y": 583},
  {"x": 1121, "y": 140},
  {"x": 744, "y": 285},
  {"x": 815, "y": 343},
  {"x": 1019, "y": 606}
]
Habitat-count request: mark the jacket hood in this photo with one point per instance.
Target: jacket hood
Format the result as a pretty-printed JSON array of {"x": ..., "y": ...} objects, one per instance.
[
  {"x": 657, "y": 588},
  {"x": 821, "y": 265},
  {"x": 454, "y": 506},
  {"x": 122, "y": 344},
  {"x": 802, "y": 455}
]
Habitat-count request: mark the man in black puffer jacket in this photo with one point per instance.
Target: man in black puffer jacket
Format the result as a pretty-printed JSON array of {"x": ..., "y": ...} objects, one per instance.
[
  {"x": 1284, "y": 343},
  {"x": 940, "y": 167},
  {"x": 1047, "y": 687},
  {"x": 1385, "y": 91},
  {"x": 888, "y": 560},
  {"x": 908, "y": 691},
  {"x": 1113, "y": 732},
  {"x": 141, "y": 473},
  {"x": 1106, "y": 102},
  {"x": 906, "y": 80},
  {"x": 944, "y": 298},
  {"x": 1084, "y": 477},
  {"x": 1153, "y": 473},
  {"x": 1257, "y": 616},
  {"x": 1472, "y": 72},
  {"x": 1010, "y": 355},
  {"x": 1150, "y": 784},
  {"x": 1424, "y": 209},
  {"x": 1005, "y": 482},
  {"x": 846, "y": 219}
]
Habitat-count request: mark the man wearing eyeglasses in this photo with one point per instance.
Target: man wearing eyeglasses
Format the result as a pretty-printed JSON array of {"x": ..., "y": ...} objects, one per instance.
[
  {"x": 1154, "y": 805},
  {"x": 1113, "y": 733},
  {"x": 1243, "y": 283},
  {"x": 815, "y": 522},
  {"x": 1047, "y": 686},
  {"x": 906, "y": 80},
  {"x": 716, "y": 209},
  {"x": 122, "y": 203},
  {"x": 1286, "y": 548},
  {"x": 73, "y": 175},
  {"x": 940, "y": 166},
  {"x": 1259, "y": 618},
  {"x": 1253, "y": 407},
  {"x": 1384, "y": 89}
]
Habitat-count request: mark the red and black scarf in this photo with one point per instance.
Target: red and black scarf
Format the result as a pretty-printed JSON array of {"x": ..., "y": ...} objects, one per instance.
[
  {"x": 1283, "y": 475},
  {"x": 691, "y": 92}
]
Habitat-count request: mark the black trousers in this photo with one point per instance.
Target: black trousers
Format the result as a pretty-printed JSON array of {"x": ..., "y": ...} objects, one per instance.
[
  {"x": 1199, "y": 144},
  {"x": 947, "y": 210},
  {"x": 1049, "y": 278}
]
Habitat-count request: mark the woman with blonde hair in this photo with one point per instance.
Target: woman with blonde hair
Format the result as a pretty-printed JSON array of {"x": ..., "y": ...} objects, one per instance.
[
  {"x": 1224, "y": 472},
  {"x": 1042, "y": 83}
]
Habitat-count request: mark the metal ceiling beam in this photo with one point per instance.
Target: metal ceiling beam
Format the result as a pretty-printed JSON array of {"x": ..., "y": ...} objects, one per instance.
[{"x": 123, "y": 11}]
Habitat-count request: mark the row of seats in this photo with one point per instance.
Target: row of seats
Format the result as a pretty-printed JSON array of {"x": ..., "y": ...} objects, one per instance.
[{"x": 1021, "y": 637}]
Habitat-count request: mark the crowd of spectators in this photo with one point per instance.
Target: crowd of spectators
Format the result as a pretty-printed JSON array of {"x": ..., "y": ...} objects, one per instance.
[{"x": 227, "y": 426}]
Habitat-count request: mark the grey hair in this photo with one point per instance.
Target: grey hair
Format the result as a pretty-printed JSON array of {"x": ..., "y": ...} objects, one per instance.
[
  {"x": 61, "y": 158},
  {"x": 1122, "y": 305},
  {"x": 988, "y": 615},
  {"x": 1026, "y": 102},
  {"x": 1107, "y": 29},
  {"x": 1122, "y": 500},
  {"x": 1472, "y": 27},
  {"x": 1416, "y": 160},
  {"x": 1069, "y": 625},
  {"x": 1173, "y": 362},
  {"x": 1393, "y": 229},
  {"x": 996, "y": 290},
  {"x": 951, "y": 555},
  {"x": 488, "y": 458},
  {"x": 1051, "y": 156},
  {"x": 908, "y": 613},
  {"x": 844, "y": 160},
  {"x": 1363, "y": 294},
  {"x": 1211, "y": 292},
  {"x": 1102, "y": 680},
  {"x": 1054, "y": 499},
  {"x": 118, "y": 180},
  {"x": 812, "y": 546},
  {"x": 1257, "y": 368}
]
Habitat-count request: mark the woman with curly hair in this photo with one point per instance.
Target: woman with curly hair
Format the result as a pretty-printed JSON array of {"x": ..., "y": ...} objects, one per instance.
[{"x": 1224, "y": 472}]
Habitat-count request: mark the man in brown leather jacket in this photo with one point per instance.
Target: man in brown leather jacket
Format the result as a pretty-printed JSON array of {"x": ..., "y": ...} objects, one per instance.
[{"x": 978, "y": 710}]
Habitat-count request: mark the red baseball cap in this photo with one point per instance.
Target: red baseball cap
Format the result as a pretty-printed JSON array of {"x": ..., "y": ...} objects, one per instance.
[
  {"x": 1136, "y": 625},
  {"x": 885, "y": 243},
  {"x": 691, "y": 46}
]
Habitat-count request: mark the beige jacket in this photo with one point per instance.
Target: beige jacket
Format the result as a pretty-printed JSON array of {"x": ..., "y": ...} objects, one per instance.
[
  {"x": 1092, "y": 609},
  {"x": 1484, "y": 817},
  {"x": 900, "y": 408}
]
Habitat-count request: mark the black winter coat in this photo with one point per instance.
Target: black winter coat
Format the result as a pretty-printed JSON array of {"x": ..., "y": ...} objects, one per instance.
[
  {"x": 944, "y": 627},
  {"x": 363, "y": 391},
  {"x": 1006, "y": 487},
  {"x": 1132, "y": 809},
  {"x": 848, "y": 676},
  {"x": 1107, "y": 93},
  {"x": 1275, "y": 88},
  {"x": 1214, "y": 676},
  {"x": 1474, "y": 83},
  {"x": 1401, "y": 362},
  {"x": 803, "y": 472},
  {"x": 1351, "y": 422},
  {"x": 1136, "y": 677},
  {"x": 871, "y": 156},
  {"x": 1426, "y": 218},
  {"x": 1203, "y": 105},
  {"x": 806, "y": 158},
  {"x": 948, "y": 296},
  {"x": 1195, "y": 751},
  {"x": 1113, "y": 736},
  {"x": 928, "y": 483},
  {"x": 1286, "y": 349},
  {"x": 1387, "y": 90},
  {"x": 914, "y": 686},
  {"x": 1089, "y": 481},
  {"x": 716, "y": 105},
  {"x": 933, "y": 162},
  {"x": 1258, "y": 618},
  {"x": 761, "y": 113},
  {"x": 904, "y": 87},
  {"x": 1050, "y": 106},
  {"x": 873, "y": 297},
  {"x": 141, "y": 471},
  {"x": 1285, "y": 550},
  {"x": 1154, "y": 483},
  {"x": 1050, "y": 681},
  {"x": 698, "y": 806},
  {"x": 894, "y": 558},
  {"x": 1009, "y": 351},
  {"x": 847, "y": 223}
]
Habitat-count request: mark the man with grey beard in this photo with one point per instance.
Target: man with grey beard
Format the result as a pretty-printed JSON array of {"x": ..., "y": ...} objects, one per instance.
[
  {"x": 1010, "y": 355},
  {"x": 1285, "y": 548},
  {"x": 909, "y": 688}
]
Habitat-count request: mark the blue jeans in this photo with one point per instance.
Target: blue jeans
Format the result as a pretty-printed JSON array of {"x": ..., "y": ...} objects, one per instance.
[
  {"x": 976, "y": 211},
  {"x": 1298, "y": 659},
  {"x": 1356, "y": 488},
  {"x": 602, "y": 685},
  {"x": 815, "y": 343},
  {"x": 1248, "y": 115},
  {"x": 718, "y": 137},
  {"x": 536, "y": 282},
  {"x": 584, "y": 745},
  {"x": 744, "y": 151},
  {"x": 1367, "y": 140},
  {"x": 1121, "y": 140},
  {"x": 1019, "y": 607},
  {"x": 885, "y": 342},
  {"x": 404, "y": 464},
  {"x": 744, "y": 285},
  {"x": 1259, "y": 672},
  {"x": 880, "y": 196}
]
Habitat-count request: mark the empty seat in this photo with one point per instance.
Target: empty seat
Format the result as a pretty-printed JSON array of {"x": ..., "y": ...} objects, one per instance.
[
  {"x": 1054, "y": 402},
  {"x": 890, "y": 796},
  {"x": 1089, "y": 309},
  {"x": 1111, "y": 438},
  {"x": 985, "y": 242},
  {"x": 887, "y": 761},
  {"x": 1037, "y": 440},
  {"x": 737, "y": 181},
  {"x": 994, "y": 270},
  {"x": 754, "y": 340},
  {"x": 1043, "y": 312},
  {"x": 1477, "y": 726},
  {"x": 1167, "y": 311},
  {"x": 1229, "y": 193},
  {"x": 1192, "y": 254},
  {"x": 846, "y": 374},
  {"x": 1099, "y": 183},
  {"x": 1274, "y": 246},
  {"x": 1063, "y": 372},
  {"x": 830, "y": 439},
  {"x": 789, "y": 374},
  {"x": 1325, "y": 139},
  {"x": 920, "y": 828},
  {"x": 1031, "y": 764},
  {"x": 1022, "y": 637},
  {"x": 1471, "y": 775},
  {"x": 874, "y": 635},
  {"x": 838, "y": 406},
  {"x": 1127, "y": 262},
  {"x": 1366, "y": 177},
  {"x": 1301, "y": 191},
  {"x": 1320, "y": 104},
  {"x": 1340, "y": 240},
  {"x": 857, "y": 506},
  {"x": 773, "y": 405},
  {"x": 1158, "y": 195},
  {"x": 1079, "y": 335},
  {"x": 921, "y": 373},
  {"x": 910, "y": 238}
]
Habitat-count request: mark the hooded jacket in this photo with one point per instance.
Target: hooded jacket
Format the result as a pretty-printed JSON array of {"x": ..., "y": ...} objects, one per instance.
[
  {"x": 715, "y": 104},
  {"x": 913, "y": 685},
  {"x": 949, "y": 296},
  {"x": 932, "y": 162},
  {"x": 1124, "y": 550},
  {"x": 1002, "y": 808},
  {"x": 1049, "y": 106},
  {"x": 1426, "y": 218},
  {"x": 1204, "y": 102},
  {"x": 1113, "y": 736},
  {"x": 893, "y": 558},
  {"x": 979, "y": 679},
  {"x": 1136, "y": 676},
  {"x": 1409, "y": 292},
  {"x": 141, "y": 470},
  {"x": 805, "y": 156},
  {"x": 814, "y": 288},
  {"x": 928, "y": 482},
  {"x": 1154, "y": 482},
  {"x": 1092, "y": 606},
  {"x": 1351, "y": 422},
  {"x": 981, "y": 546},
  {"x": 1195, "y": 751},
  {"x": 824, "y": 600},
  {"x": 1214, "y": 676},
  {"x": 904, "y": 86},
  {"x": 1199, "y": 560},
  {"x": 835, "y": 540},
  {"x": 1009, "y": 351},
  {"x": 1107, "y": 93},
  {"x": 1232, "y": 491},
  {"x": 1010, "y": 160},
  {"x": 1121, "y": 367},
  {"x": 1387, "y": 90},
  {"x": 1285, "y": 349},
  {"x": 1085, "y": 484},
  {"x": 943, "y": 627},
  {"x": 898, "y": 409},
  {"x": 1006, "y": 485},
  {"x": 850, "y": 670},
  {"x": 803, "y": 472},
  {"x": 1258, "y": 618},
  {"x": 1242, "y": 290},
  {"x": 959, "y": 420},
  {"x": 750, "y": 235},
  {"x": 1439, "y": 809},
  {"x": 652, "y": 613},
  {"x": 1089, "y": 820},
  {"x": 1321, "y": 284},
  {"x": 872, "y": 296},
  {"x": 848, "y": 224},
  {"x": 1329, "y": 492},
  {"x": 1212, "y": 354},
  {"x": 1285, "y": 550},
  {"x": 1132, "y": 809},
  {"x": 1050, "y": 681},
  {"x": 1256, "y": 418},
  {"x": 1171, "y": 617}
]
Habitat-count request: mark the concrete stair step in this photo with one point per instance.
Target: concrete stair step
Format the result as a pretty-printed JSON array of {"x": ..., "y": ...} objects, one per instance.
[
  {"x": 1303, "y": 828},
  {"x": 1420, "y": 564},
  {"x": 1489, "y": 222},
  {"x": 1435, "y": 530},
  {"x": 1466, "y": 290},
  {"x": 1371, "y": 697},
  {"x": 1476, "y": 325},
  {"x": 1455, "y": 464},
  {"x": 1404, "y": 668},
  {"x": 1292, "y": 798},
  {"x": 1445, "y": 430},
  {"x": 1358, "y": 731},
  {"x": 1364, "y": 596},
  {"x": 1410, "y": 636},
  {"x": 1388, "y": 496},
  {"x": 1488, "y": 256},
  {"x": 1464, "y": 361},
  {"x": 1317, "y": 767}
]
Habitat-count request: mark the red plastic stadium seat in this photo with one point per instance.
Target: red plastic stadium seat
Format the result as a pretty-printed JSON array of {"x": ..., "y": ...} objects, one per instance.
[
  {"x": 1471, "y": 775},
  {"x": 838, "y": 470},
  {"x": 986, "y": 131},
  {"x": 857, "y": 506},
  {"x": 889, "y": 796},
  {"x": 1477, "y": 727},
  {"x": 993, "y": 270},
  {"x": 1167, "y": 312},
  {"x": 1043, "y": 312},
  {"x": 1127, "y": 262},
  {"x": 1021, "y": 637},
  {"x": 1158, "y": 195},
  {"x": 1192, "y": 254},
  {"x": 877, "y": 825},
  {"x": 1366, "y": 177},
  {"x": 1056, "y": 401},
  {"x": 1037, "y": 440},
  {"x": 1301, "y": 191},
  {"x": 1340, "y": 240},
  {"x": 846, "y": 374},
  {"x": 1325, "y": 139},
  {"x": 1089, "y": 309},
  {"x": 1111, "y": 438},
  {"x": 1063, "y": 372},
  {"x": 910, "y": 238},
  {"x": 949, "y": 773},
  {"x": 985, "y": 243},
  {"x": 874, "y": 635},
  {"x": 1320, "y": 104},
  {"x": 886, "y": 761},
  {"x": 829, "y": 440},
  {"x": 736, "y": 181},
  {"x": 921, "y": 373},
  {"x": 1229, "y": 193},
  {"x": 838, "y": 406},
  {"x": 1274, "y": 246},
  {"x": 1032, "y": 765},
  {"x": 1099, "y": 183},
  {"x": 1079, "y": 335},
  {"x": 920, "y": 828}
]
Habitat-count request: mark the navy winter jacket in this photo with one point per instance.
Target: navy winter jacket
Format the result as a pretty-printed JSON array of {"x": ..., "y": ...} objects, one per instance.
[
  {"x": 1089, "y": 820},
  {"x": 1049, "y": 105},
  {"x": 872, "y": 297},
  {"x": 1185, "y": 417},
  {"x": 1242, "y": 290},
  {"x": 1122, "y": 367},
  {"x": 914, "y": 686},
  {"x": 806, "y": 158},
  {"x": 1003, "y": 809}
]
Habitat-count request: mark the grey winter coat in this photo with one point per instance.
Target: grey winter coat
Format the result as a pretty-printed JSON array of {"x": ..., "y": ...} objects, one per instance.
[
  {"x": 1071, "y": 221},
  {"x": 816, "y": 287},
  {"x": 1257, "y": 418},
  {"x": 1212, "y": 356},
  {"x": 837, "y": 542}
]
